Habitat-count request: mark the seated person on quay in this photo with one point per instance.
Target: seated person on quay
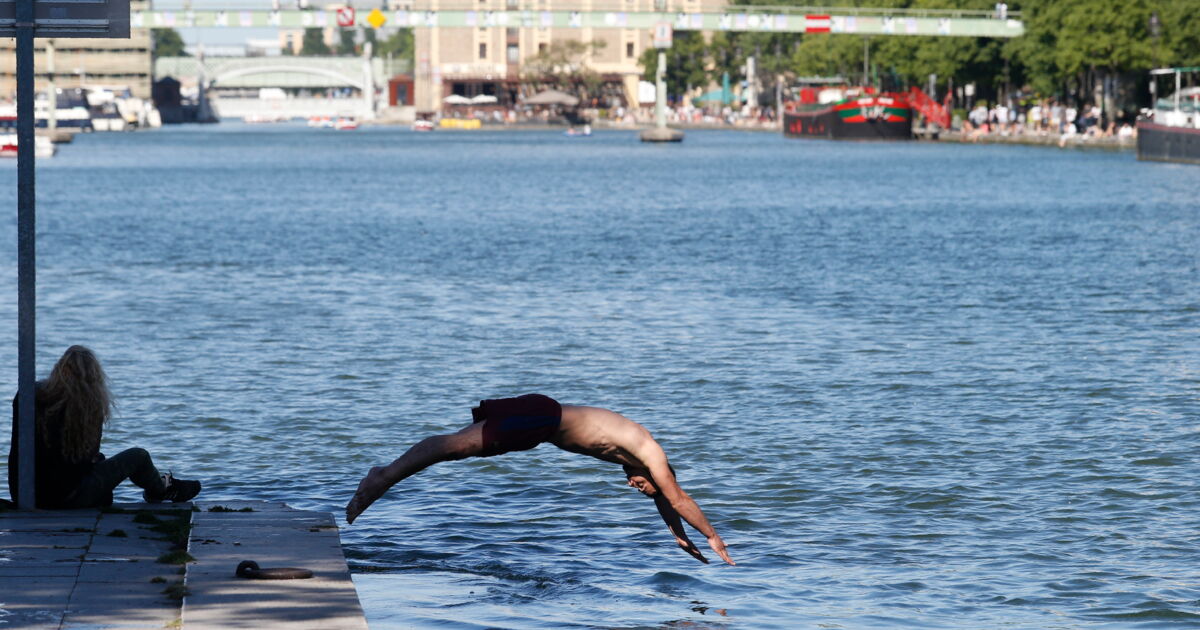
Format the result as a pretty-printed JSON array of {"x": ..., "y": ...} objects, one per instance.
[{"x": 72, "y": 406}]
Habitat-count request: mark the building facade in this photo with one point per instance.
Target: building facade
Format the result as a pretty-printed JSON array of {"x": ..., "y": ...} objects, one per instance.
[
  {"x": 488, "y": 59},
  {"x": 80, "y": 62}
]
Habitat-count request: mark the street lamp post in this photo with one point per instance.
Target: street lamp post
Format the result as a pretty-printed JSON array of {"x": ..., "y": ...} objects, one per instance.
[{"x": 1155, "y": 29}]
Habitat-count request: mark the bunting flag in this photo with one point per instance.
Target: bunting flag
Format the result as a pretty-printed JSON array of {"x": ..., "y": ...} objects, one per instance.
[{"x": 816, "y": 24}]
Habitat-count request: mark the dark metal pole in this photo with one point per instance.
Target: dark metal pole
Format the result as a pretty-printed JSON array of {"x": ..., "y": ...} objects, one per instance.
[{"x": 26, "y": 230}]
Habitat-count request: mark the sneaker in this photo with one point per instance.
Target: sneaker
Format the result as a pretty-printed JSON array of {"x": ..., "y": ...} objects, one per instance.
[{"x": 176, "y": 490}]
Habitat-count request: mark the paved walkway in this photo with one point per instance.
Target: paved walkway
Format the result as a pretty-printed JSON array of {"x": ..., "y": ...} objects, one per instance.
[
  {"x": 273, "y": 535},
  {"x": 123, "y": 568},
  {"x": 87, "y": 569}
]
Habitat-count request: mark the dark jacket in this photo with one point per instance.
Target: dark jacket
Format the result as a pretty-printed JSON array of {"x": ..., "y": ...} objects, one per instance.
[{"x": 55, "y": 477}]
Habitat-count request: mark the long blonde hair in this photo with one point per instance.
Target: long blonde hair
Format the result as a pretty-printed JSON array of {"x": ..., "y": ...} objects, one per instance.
[{"x": 76, "y": 395}]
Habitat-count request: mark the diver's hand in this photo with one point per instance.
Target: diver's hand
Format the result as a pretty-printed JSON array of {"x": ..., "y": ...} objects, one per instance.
[
  {"x": 691, "y": 549},
  {"x": 718, "y": 546}
]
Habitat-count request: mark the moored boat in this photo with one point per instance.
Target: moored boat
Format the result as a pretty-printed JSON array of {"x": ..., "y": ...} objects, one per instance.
[
  {"x": 1171, "y": 132},
  {"x": 850, "y": 114},
  {"x": 42, "y": 146}
]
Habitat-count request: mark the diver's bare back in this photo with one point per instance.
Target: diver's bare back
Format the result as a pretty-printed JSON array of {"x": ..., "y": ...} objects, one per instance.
[{"x": 603, "y": 434}]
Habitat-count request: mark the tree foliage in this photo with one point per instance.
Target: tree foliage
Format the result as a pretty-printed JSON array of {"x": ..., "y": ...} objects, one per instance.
[
  {"x": 314, "y": 43},
  {"x": 1073, "y": 49},
  {"x": 399, "y": 45},
  {"x": 562, "y": 66},
  {"x": 168, "y": 43},
  {"x": 686, "y": 61},
  {"x": 346, "y": 43}
]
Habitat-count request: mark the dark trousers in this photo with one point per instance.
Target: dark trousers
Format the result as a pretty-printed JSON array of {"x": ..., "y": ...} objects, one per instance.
[{"x": 96, "y": 490}]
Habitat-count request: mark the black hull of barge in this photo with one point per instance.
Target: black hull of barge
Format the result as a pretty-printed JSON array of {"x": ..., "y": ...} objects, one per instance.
[
  {"x": 827, "y": 125},
  {"x": 1160, "y": 143}
]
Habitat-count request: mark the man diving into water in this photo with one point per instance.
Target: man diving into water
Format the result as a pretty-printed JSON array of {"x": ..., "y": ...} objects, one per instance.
[{"x": 516, "y": 424}]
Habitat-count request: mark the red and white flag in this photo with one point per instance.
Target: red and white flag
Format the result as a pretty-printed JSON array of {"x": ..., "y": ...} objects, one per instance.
[{"x": 817, "y": 23}]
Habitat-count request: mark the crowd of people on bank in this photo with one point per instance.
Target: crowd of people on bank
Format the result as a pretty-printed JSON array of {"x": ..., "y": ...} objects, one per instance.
[
  {"x": 1038, "y": 117},
  {"x": 1044, "y": 118},
  {"x": 684, "y": 113}
]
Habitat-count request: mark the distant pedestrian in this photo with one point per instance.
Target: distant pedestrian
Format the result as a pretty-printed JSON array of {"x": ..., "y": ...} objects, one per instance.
[
  {"x": 1056, "y": 117},
  {"x": 71, "y": 408}
]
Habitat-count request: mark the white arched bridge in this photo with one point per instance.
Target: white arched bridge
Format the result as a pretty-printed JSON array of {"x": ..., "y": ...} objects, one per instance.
[{"x": 233, "y": 83}]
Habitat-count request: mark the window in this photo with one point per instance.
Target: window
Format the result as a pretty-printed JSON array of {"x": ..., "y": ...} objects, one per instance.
[
  {"x": 542, "y": 47},
  {"x": 629, "y": 49},
  {"x": 483, "y": 51},
  {"x": 514, "y": 53}
]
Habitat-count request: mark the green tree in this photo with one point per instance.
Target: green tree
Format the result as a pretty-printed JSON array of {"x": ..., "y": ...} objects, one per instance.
[
  {"x": 562, "y": 66},
  {"x": 168, "y": 43},
  {"x": 686, "y": 61},
  {"x": 1179, "y": 40},
  {"x": 346, "y": 45},
  {"x": 314, "y": 43},
  {"x": 1083, "y": 49},
  {"x": 399, "y": 45},
  {"x": 1080, "y": 47}
]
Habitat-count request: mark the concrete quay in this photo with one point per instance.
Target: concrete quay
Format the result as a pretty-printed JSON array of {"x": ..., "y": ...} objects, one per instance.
[
  {"x": 1078, "y": 141},
  {"x": 141, "y": 566}
]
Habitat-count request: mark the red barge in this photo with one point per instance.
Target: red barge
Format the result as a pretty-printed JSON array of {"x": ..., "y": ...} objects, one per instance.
[{"x": 860, "y": 114}]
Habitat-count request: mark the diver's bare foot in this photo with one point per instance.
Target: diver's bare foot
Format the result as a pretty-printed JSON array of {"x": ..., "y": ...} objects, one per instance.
[{"x": 370, "y": 488}]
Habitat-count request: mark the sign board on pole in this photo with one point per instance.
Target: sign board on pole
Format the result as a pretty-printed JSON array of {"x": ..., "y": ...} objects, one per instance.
[
  {"x": 662, "y": 35},
  {"x": 70, "y": 18},
  {"x": 345, "y": 16},
  {"x": 376, "y": 18},
  {"x": 27, "y": 20}
]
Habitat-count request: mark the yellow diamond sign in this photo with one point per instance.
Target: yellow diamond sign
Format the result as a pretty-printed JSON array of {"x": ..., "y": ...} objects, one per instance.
[{"x": 376, "y": 18}]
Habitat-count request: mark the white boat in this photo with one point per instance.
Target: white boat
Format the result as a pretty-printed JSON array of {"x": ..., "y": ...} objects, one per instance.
[
  {"x": 345, "y": 123},
  {"x": 273, "y": 117},
  {"x": 1171, "y": 131},
  {"x": 422, "y": 124},
  {"x": 76, "y": 118},
  {"x": 42, "y": 146}
]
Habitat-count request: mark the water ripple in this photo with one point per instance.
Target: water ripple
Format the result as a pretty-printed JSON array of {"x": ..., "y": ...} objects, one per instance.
[{"x": 929, "y": 397}]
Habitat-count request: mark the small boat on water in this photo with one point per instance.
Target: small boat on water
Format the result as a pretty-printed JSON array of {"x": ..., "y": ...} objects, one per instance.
[
  {"x": 423, "y": 124},
  {"x": 342, "y": 121},
  {"x": 840, "y": 113},
  {"x": 42, "y": 146},
  {"x": 1171, "y": 131},
  {"x": 266, "y": 118},
  {"x": 583, "y": 131}
]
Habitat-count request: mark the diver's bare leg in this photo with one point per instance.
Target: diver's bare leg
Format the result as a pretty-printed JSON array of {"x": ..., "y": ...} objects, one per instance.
[{"x": 422, "y": 455}]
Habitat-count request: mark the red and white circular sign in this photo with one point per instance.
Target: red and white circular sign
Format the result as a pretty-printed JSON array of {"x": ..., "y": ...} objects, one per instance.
[{"x": 345, "y": 16}]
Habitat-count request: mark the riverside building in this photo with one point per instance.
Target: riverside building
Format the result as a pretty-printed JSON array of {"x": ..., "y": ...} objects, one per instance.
[
  {"x": 486, "y": 59},
  {"x": 85, "y": 62}
]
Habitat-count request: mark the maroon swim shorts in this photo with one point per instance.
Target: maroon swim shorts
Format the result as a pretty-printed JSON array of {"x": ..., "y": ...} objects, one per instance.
[{"x": 517, "y": 424}]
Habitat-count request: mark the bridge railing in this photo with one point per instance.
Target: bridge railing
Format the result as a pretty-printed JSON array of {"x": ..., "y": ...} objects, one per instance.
[
  {"x": 673, "y": 6},
  {"x": 735, "y": 18}
]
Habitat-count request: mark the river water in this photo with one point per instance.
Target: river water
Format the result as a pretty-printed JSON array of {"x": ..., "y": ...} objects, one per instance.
[{"x": 912, "y": 385}]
